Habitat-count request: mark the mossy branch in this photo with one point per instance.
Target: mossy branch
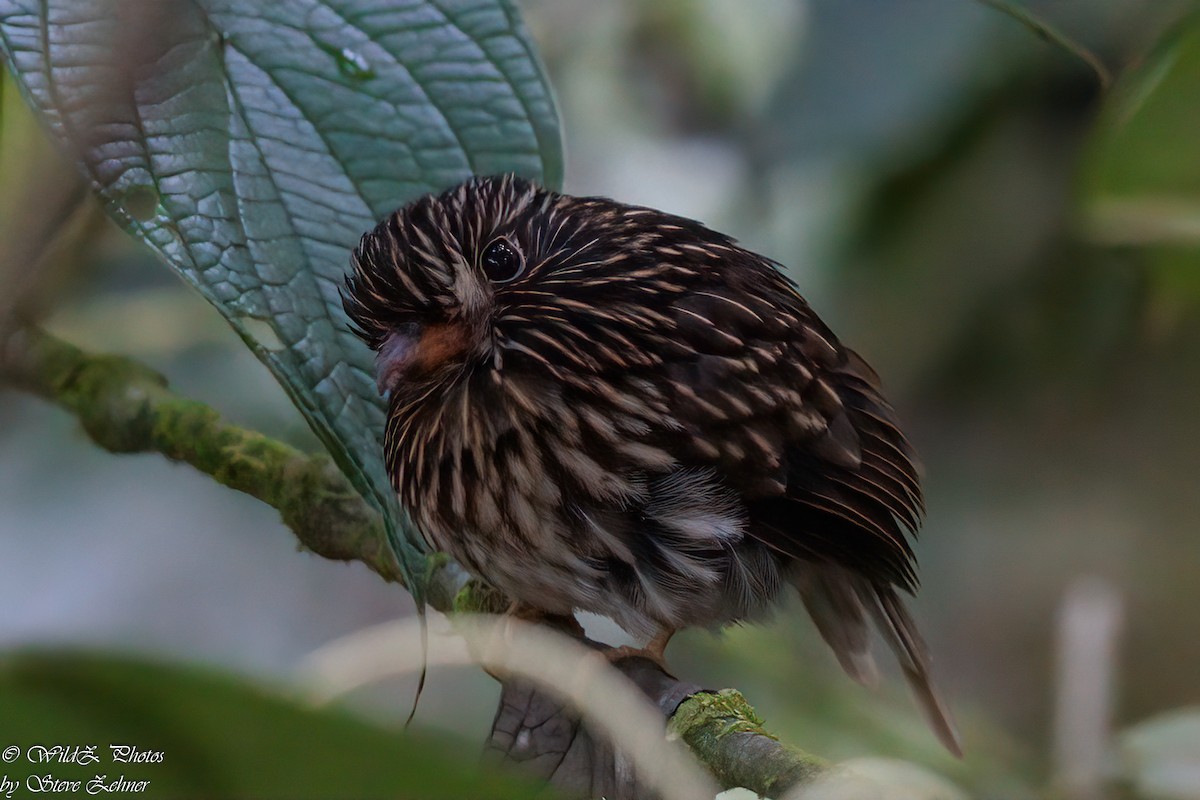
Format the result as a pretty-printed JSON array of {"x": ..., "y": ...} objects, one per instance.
[
  {"x": 737, "y": 749},
  {"x": 126, "y": 407}
]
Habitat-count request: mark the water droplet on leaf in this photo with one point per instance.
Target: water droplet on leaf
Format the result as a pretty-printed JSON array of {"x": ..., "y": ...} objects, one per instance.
[
  {"x": 141, "y": 203},
  {"x": 353, "y": 64}
]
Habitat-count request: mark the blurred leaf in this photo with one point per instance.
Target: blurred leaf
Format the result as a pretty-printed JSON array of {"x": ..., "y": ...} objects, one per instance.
[
  {"x": 1048, "y": 33},
  {"x": 219, "y": 737},
  {"x": 250, "y": 144},
  {"x": 1142, "y": 177},
  {"x": 884, "y": 779},
  {"x": 1160, "y": 757},
  {"x": 737, "y": 793}
]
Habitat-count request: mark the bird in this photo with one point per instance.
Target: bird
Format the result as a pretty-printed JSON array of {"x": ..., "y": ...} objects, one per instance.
[{"x": 605, "y": 407}]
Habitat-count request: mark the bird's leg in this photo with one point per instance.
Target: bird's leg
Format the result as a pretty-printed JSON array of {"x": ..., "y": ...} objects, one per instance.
[{"x": 654, "y": 650}]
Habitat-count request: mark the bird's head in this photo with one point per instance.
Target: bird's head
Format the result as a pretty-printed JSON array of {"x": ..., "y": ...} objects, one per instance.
[
  {"x": 498, "y": 270},
  {"x": 425, "y": 281}
]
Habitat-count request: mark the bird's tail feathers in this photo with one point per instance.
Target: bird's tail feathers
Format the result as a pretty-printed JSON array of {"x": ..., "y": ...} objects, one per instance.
[
  {"x": 837, "y": 610},
  {"x": 840, "y": 603}
]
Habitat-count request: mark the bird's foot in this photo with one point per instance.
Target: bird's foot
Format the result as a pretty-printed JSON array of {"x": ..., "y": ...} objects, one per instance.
[{"x": 655, "y": 650}]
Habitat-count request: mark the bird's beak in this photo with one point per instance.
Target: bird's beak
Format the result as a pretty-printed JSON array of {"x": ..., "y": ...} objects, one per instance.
[
  {"x": 414, "y": 350},
  {"x": 394, "y": 356}
]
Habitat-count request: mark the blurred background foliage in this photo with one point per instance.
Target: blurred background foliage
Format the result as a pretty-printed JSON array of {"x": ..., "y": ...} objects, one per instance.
[
  {"x": 208, "y": 735},
  {"x": 1014, "y": 249}
]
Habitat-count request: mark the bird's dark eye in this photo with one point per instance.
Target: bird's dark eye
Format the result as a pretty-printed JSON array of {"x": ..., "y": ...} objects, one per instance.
[{"x": 502, "y": 262}]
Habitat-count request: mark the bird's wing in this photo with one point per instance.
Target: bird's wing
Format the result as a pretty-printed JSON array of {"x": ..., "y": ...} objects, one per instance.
[{"x": 795, "y": 423}]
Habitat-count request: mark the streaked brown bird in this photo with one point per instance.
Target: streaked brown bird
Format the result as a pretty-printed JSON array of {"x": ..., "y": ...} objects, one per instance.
[{"x": 604, "y": 407}]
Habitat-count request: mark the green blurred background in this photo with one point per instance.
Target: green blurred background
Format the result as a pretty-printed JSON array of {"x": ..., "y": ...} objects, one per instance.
[{"x": 1015, "y": 249}]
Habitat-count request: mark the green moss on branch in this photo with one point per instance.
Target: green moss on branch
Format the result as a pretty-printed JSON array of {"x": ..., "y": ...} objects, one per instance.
[
  {"x": 727, "y": 731},
  {"x": 126, "y": 407}
]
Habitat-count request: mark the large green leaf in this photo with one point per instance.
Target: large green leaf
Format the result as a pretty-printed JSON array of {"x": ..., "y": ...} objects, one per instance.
[
  {"x": 251, "y": 143},
  {"x": 218, "y": 737}
]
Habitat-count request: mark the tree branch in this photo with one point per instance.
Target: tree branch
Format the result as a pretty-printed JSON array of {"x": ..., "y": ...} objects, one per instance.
[
  {"x": 726, "y": 730},
  {"x": 126, "y": 407}
]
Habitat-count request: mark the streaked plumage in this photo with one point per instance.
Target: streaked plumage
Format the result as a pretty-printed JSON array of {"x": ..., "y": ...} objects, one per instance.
[{"x": 604, "y": 407}]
